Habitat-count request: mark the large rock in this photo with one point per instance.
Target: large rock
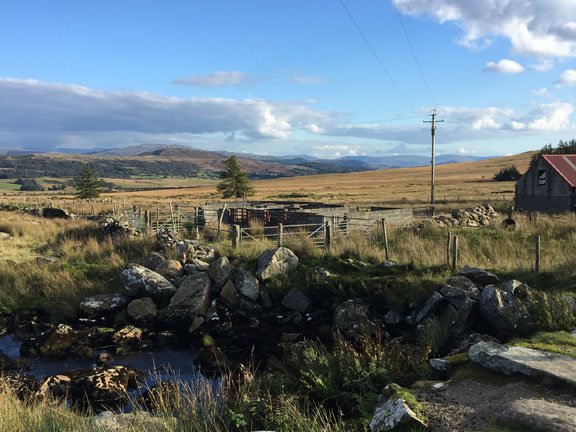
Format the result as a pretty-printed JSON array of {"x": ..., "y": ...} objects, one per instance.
[
  {"x": 353, "y": 321},
  {"x": 247, "y": 285},
  {"x": 219, "y": 271},
  {"x": 170, "y": 269},
  {"x": 479, "y": 276},
  {"x": 60, "y": 342},
  {"x": 142, "y": 282},
  {"x": 142, "y": 310},
  {"x": 106, "y": 387},
  {"x": 539, "y": 365},
  {"x": 103, "y": 305},
  {"x": 128, "y": 336},
  {"x": 186, "y": 251},
  {"x": 191, "y": 300},
  {"x": 538, "y": 415},
  {"x": 151, "y": 261},
  {"x": 296, "y": 300},
  {"x": 393, "y": 412},
  {"x": 433, "y": 305},
  {"x": 55, "y": 213},
  {"x": 276, "y": 262},
  {"x": 503, "y": 311},
  {"x": 229, "y": 295}
]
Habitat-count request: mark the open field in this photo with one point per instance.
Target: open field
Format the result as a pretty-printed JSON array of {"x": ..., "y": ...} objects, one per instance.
[{"x": 455, "y": 183}]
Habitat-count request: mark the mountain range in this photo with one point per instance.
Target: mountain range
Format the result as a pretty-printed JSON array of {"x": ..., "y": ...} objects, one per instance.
[{"x": 173, "y": 160}]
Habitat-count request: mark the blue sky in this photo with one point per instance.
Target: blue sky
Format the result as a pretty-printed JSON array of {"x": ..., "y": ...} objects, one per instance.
[{"x": 288, "y": 77}]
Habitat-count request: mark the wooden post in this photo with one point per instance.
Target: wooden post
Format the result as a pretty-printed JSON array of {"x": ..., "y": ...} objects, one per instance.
[
  {"x": 157, "y": 217},
  {"x": 178, "y": 217},
  {"x": 280, "y": 235},
  {"x": 220, "y": 222},
  {"x": 385, "y": 238},
  {"x": 454, "y": 252},
  {"x": 328, "y": 234},
  {"x": 236, "y": 236},
  {"x": 92, "y": 208},
  {"x": 537, "y": 261},
  {"x": 172, "y": 217},
  {"x": 448, "y": 248}
]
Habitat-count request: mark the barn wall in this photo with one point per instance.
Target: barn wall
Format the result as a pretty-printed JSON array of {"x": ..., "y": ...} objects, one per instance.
[{"x": 555, "y": 197}]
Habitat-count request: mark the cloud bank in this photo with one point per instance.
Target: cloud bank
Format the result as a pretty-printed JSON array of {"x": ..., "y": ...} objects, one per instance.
[
  {"x": 505, "y": 66},
  {"x": 538, "y": 28}
]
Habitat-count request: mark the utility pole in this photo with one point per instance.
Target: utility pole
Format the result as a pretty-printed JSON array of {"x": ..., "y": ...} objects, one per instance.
[{"x": 433, "y": 132}]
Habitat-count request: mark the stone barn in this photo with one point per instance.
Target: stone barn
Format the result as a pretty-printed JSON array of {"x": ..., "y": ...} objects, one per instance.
[{"x": 549, "y": 185}]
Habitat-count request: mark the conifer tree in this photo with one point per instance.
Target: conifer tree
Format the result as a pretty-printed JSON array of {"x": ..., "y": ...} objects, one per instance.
[
  {"x": 234, "y": 181},
  {"x": 88, "y": 184}
]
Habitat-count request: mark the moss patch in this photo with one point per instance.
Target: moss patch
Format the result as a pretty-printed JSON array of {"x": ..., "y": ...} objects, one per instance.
[{"x": 556, "y": 342}]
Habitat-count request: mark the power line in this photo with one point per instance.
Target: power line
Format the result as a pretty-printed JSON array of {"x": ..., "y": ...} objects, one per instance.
[
  {"x": 414, "y": 54},
  {"x": 376, "y": 56}
]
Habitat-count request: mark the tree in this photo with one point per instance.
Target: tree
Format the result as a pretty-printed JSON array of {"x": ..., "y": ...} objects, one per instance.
[
  {"x": 510, "y": 173},
  {"x": 234, "y": 181},
  {"x": 88, "y": 184}
]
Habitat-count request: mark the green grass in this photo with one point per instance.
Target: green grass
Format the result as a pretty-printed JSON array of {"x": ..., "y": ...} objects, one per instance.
[
  {"x": 556, "y": 342},
  {"x": 9, "y": 185}
]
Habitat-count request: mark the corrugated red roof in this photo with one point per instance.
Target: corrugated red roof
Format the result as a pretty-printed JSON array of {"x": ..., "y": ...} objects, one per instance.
[{"x": 565, "y": 165}]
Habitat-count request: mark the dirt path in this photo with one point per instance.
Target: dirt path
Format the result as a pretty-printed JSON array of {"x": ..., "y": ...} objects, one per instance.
[{"x": 473, "y": 406}]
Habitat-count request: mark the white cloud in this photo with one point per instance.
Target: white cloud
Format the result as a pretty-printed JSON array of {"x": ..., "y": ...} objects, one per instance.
[
  {"x": 504, "y": 66},
  {"x": 301, "y": 79},
  {"x": 547, "y": 117},
  {"x": 567, "y": 79},
  {"x": 543, "y": 65},
  {"x": 217, "y": 79},
  {"x": 543, "y": 92},
  {"x": 76, "y": 110},
  {"x": 539, "y": 28}
]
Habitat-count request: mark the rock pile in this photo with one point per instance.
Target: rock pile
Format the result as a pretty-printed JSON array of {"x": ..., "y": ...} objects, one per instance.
[
  {"x": 472, "y": 217},
  {"x": 114, "y": 227}
]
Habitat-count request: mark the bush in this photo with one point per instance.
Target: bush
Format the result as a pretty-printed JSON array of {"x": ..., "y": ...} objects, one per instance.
[{"x": 510, "y": 173}]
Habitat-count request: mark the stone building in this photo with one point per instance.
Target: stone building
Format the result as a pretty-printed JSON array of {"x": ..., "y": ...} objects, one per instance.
[{"x": 549, "y": 185}]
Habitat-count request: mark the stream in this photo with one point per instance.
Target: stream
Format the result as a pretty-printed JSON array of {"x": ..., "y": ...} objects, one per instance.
[{"x": 165, "y": 365}]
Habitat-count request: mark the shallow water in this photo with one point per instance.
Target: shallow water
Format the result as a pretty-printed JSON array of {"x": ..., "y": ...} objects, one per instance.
[{"x": 164, "y": 365}]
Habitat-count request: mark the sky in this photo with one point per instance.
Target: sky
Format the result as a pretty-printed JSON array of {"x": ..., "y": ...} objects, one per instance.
[{"x": 327, "y": 78}]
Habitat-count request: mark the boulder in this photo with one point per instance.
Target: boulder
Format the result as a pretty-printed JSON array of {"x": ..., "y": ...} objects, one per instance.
[
  {"x": 142, "y": 310},
  {"x": 170, "y": 269},
  {"x": 186, "y": 251},
  {"x": 249, "y": 306},
  {"x": 8, "y": 363},
  {"x": 433, "y": 305},
  {"x": 190, "y": 269},
  {"x": 211, "y": 361},
  {"x": 393, "y": 412},
  {"x": 103, "y": 305},
  {"x": 4, "y": 236},
  {"x": 201, "y": 265},
  {"x": 191, "y": 300},
  {"x": 219, "y": 271},
  {"x": 247, "y": 285},
  {"x": 503, "y": 311},
  {"x": 108, "y": 421},
  {"x": 353, "y": 321},
  {"x": 58, "y": 343},
  {"x": 296, "y": 300},
  {"x": 142, "y": 282},
  {"x": 276, "y": 262},
  {"x": 128, "y": 336},
  {"x": 479, "y": 276},
  {"x": 152, "y": 261},
  {"x": 229, "y": 295},
  {"x": 103, "y": 387},
  {"x": 55, "y": 213},
  {"x": 537, "y": 415},
  {"x": 546, "y": 367}
]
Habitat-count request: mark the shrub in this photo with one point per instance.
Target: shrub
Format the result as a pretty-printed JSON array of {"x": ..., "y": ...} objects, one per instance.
[{"x": 510, "y": 173}]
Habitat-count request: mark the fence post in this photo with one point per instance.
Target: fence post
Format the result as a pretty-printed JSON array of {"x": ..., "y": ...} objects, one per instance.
[
  {"x": 328, "y": 235},
  {"x": 172, "y": 217},
  {"x": 280, "y": 235},
  {"x": 537, "y": 261},
  {"x": 454, "y": 252},
  {"x": 448, "y": 248},
  {"x": 385, "y": 238},
  {"x": 157, "y": 218},
  {"x": 236, "y": 236}
]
